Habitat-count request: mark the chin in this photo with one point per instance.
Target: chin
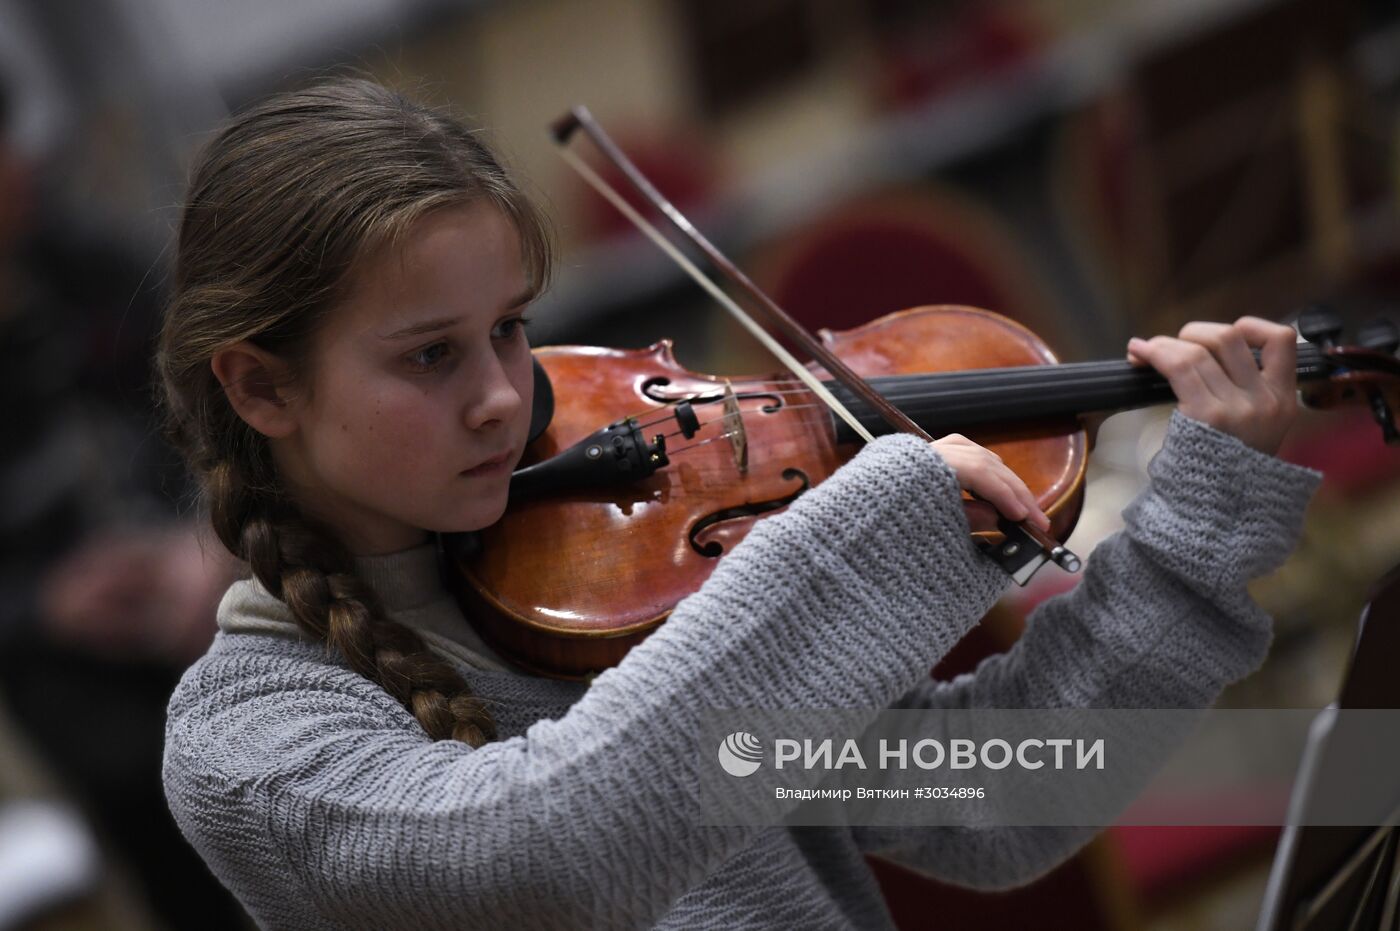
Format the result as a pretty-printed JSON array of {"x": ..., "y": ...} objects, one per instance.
[{"x": 479, "y": 519}]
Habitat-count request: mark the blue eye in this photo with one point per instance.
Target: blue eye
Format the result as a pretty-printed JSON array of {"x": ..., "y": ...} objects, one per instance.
[{"x": 428, "y": 358}]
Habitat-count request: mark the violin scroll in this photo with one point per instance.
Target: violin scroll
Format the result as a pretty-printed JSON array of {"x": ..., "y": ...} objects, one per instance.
[{"x": 1367, "y": 371}]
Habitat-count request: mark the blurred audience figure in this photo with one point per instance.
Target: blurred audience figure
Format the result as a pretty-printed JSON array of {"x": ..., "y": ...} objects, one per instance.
[{"x": 106, "y": 592}]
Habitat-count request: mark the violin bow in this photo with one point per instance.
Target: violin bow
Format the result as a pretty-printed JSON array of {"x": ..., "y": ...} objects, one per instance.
[{"x": 1024, "y": 547}]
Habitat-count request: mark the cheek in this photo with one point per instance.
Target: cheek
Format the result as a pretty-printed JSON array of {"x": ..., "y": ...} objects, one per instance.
[{"x": 381, "y": 436}]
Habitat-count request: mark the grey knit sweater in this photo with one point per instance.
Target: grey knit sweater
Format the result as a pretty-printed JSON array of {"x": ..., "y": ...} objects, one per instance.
[{"x": 317, "y": 799}]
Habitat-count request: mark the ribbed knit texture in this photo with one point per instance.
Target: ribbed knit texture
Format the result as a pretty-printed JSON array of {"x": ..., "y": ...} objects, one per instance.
[{"x": 320, "y": 802}]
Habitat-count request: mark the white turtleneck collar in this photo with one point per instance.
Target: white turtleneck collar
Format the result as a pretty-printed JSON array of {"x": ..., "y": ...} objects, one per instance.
[{"x": 409, "y": 585}]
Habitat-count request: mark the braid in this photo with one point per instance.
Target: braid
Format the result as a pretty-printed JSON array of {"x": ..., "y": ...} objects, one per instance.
[
  {"x": 305, "y": 567},
  {"x": 283, "y": 204}
]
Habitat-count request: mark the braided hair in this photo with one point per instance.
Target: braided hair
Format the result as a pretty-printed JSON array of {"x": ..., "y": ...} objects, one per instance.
[{"x": 282, "y": 202}]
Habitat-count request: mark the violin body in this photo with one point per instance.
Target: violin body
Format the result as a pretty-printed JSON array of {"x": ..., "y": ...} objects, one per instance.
[{"x": 566, "y": 585}]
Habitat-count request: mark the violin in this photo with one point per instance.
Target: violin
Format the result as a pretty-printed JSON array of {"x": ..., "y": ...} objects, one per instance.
[
  {"x": 696, "y": 460},
  {"x": 643, "y": 507}
]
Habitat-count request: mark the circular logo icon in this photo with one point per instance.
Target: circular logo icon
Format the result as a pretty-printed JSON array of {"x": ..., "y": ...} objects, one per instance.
[{"x": 740, "y": 754}]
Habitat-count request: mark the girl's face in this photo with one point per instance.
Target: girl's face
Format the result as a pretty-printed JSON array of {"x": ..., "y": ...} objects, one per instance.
[{"x": 419, "y": 378}]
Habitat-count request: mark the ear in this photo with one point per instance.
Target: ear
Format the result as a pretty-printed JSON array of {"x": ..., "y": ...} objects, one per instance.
[{"x": 257, "y": 384}]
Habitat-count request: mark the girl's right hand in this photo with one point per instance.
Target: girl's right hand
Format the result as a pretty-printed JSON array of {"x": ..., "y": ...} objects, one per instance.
[{"x": 982, "y": 472}]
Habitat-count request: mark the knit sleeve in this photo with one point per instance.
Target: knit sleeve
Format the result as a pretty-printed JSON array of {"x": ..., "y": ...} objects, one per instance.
[
  {"x": 1161, "y": 619},
  {"x": 590, "y": 820}
]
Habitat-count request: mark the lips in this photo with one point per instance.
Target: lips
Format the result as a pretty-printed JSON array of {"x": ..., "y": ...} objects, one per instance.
[{"x": 489, "y": 463}]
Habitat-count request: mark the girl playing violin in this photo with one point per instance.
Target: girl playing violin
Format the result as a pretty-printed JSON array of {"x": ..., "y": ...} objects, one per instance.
[{"x": 345, "y": 367}]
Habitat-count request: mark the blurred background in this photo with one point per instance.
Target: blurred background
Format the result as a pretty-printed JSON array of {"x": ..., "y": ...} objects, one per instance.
[{"x": 1093, "y": 169}]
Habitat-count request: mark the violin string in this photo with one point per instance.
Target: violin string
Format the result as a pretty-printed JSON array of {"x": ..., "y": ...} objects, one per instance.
[
  {"x": 1104, "y": 373},
  {"x": 732, "y": 432},
  {"x": 1057, "y": 375},
  {"x": 1039, "y": 377},
  {"x": 917, "y": 393},
  {"x": 1059, "y": 378},
  {"x": 728, "y": 433},
  {"x": 667, "y": 410},
  {"x": 1001, "y": 381},
  {"x": 705, "y": 423},
  {"x": 710, "y": 399},
  {"x": 897, "y": 397},
  {"x": 667, "y": 414},
  {"x": 686, "y": 449}
]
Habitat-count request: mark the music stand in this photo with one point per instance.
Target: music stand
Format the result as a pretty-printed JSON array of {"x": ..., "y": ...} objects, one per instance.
[{"x": 1342, "y": 878}]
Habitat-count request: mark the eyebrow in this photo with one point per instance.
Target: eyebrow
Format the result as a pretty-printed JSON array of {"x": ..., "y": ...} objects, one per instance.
[{"x": 442, "y": 323}]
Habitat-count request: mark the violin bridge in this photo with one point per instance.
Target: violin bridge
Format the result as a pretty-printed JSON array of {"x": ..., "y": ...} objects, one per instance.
[{"x": 734, "y": 429}]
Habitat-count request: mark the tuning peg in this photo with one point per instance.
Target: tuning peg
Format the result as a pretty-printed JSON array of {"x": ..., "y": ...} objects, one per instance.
[
  {"x": 1380, "y": 334},
  {"x": 1319, "y": 324}
]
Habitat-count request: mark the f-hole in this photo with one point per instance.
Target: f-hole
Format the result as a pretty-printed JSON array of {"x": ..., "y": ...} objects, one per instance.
[
  {"x": 713, "y": 550},
  {"x": 654, "y": 389}
]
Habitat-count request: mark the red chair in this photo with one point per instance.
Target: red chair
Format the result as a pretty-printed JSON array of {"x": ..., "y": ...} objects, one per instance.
[{"x": 898, "y": 249}]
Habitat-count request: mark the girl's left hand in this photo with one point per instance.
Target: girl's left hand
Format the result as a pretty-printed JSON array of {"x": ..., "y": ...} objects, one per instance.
[{"x": 1217, "y": 381}]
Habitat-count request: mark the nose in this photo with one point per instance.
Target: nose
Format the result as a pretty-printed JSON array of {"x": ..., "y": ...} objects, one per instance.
[{"x": 493, "y": 398}]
